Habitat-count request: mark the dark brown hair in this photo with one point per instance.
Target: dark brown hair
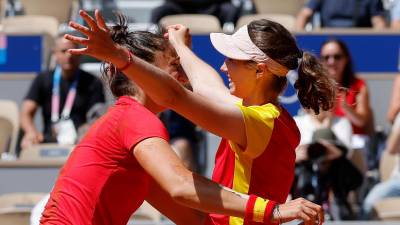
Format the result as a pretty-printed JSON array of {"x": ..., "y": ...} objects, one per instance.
[
  {"x": 315, "y": 89},
  {"x": 348, "y": 76},
  {"x": 142, "y": 44}
]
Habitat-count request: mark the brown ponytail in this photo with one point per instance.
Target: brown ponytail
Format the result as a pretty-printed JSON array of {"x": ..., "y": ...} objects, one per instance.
[{"x": 315, "y": 89}]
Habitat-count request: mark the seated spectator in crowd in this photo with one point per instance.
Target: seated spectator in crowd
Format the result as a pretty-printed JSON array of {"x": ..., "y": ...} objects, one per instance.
[
  {"x": 224, "y": 10},
  {"x": 394, "y": 106},
  {"x": 394, "y": 8},
  {"x": 343, "y": 13},
  {"x": 353, "y": 100},
  {"x": 321, "y": 163},
  {"x": 183, "y": 138},
  {"x": 391, "y": 187},
  {"x": 49, "y": 91}
]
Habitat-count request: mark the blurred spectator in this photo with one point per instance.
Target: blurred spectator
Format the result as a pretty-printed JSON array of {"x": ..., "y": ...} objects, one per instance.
[
  {"x": 94, "y": 113},
  {"x": 183, "y": 138},
  {"x": 321, "y": 163},
  {"x": 352, "y": 103},
  {"x": 391, "y": 187},
  {"x": 224, "y": 10},
  {"x": 61, "y": 118},
  {"x": 394, "y": 107},
  {"x": 343, "y": 13},
  {"x": 394, "y": 7}
]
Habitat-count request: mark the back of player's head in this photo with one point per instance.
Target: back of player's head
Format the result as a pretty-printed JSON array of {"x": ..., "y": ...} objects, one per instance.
[{"x": 142, "y": 44}]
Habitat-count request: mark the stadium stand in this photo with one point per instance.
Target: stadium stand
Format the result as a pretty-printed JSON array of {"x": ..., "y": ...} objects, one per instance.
[
  {"x": 287, "y": 20},
  {"x": 48, "y": 151},
  {"x": 291, "y": 7},
  {"x": 195, "y": 22},
  {"x": 60, "y": 9},
  {"x": 15, "y": 208}
]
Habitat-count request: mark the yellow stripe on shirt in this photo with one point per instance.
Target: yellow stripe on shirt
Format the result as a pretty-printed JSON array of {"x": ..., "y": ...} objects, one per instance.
[{"x": 241, "y": 181}]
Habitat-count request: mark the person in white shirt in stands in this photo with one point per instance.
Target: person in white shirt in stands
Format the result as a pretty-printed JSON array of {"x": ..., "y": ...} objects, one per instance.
[
  {"x": 326, "y": 142},
  {"x": 391, "y": 187},
  {"x": 308, "y": 123}
]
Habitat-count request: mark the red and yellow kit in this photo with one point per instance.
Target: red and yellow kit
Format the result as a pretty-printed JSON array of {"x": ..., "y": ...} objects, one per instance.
[
  {"x": 266, "y": 167},
  {"x": 102, "y": 183}
]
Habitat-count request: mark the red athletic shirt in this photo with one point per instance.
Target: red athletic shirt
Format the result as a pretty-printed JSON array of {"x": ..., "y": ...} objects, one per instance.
[
  {"x": 266, "y": 167},
  {"x": 351, "y": 100},
  {"x": 102, "y": 183}
]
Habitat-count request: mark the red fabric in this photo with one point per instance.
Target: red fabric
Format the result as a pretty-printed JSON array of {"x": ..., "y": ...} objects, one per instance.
[
  {"x": 102, "y": 182},
  {"x": 268, "y": 212},
  {"x": 351, "y": 99},
  {"x": 272, "y": 173},
  {"x": 250, "y": 207}
]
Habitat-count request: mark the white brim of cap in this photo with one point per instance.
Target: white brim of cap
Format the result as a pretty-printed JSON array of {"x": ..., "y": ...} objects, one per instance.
[{"x": 224, "y": 44}]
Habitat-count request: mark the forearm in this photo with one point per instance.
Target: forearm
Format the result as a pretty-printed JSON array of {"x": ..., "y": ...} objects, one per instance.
[
  {"x": 393, "y": 142},
  {"x": 392, "y": 112},
  {"x": 202, "y": 194},
  {"x": 156, "y": 83},
  {"x": 197, "y": 70},
  {"x": 359, "y": 119},
  {"x": 27, "y": 124},
  {"x": 176, "y": 212},
  {"x": 202, "y": 76},
  {"x": 302, "y": 18}
]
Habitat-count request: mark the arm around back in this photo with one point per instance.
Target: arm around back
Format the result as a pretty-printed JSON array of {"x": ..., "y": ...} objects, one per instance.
[{"x": 197, "y": 192}]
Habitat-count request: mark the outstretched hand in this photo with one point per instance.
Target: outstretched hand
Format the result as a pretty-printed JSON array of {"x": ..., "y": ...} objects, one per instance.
[{"x": 98, "y": 42}]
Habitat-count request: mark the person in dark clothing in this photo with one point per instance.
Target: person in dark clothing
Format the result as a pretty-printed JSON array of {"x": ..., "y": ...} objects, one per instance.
[
  {"x": 344, "y": 13},
  {"x": 223, "y": 9},
  {"x": 184, "y": 139},
  {"x": 83, "y": 89}
]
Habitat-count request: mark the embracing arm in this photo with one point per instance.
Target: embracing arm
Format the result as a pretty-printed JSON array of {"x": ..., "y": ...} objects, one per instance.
[
  {"x": 197, "y": 192},
  {"x": 176, "y": 212},
  {"x": 222, "y": 118},
  {"x": 203, "y": 78}
]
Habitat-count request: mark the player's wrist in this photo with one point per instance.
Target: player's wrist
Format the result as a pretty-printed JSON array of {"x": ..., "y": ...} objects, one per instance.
[
  {"x": 122, "y": 58},
  {"x": 260, "y": 210}
]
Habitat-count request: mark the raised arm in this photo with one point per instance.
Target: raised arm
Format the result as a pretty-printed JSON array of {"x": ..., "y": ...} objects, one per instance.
[
  {"x": 203, "y": 78},
  {"x": 194, "y": 191},
  {"x": 362, "y": 114},
  {"x": 221, "y": 118},
  {"x": 394, "y": 106}
]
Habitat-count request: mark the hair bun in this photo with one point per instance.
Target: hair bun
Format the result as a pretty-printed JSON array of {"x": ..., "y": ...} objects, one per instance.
[{"x": 120, "y": 31}]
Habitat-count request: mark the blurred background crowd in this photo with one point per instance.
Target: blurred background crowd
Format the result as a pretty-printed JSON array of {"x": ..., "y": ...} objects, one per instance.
[{"x": 347, "y": 160}]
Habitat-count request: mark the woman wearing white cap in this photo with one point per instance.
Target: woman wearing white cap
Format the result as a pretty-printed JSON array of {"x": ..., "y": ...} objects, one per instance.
[{"x": 256, "y": 155}]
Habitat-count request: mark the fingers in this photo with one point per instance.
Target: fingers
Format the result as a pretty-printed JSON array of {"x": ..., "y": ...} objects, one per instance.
[
  {"x": 80, "y": 51},
  {"x": 175, "y": 26},
  {"x": 166, "y": 35},
  {"x": 76, "y": 40},
  {"x": 316, "y": 208},
  {"x": 303, "y": 216},
  {"x": 311, "y": 213},
  {"x": 40, "y": 137},
  {"x": 100, "y": 20},
  {"x": 84, "y": 30},
  {"x": 89, "y": 20}
]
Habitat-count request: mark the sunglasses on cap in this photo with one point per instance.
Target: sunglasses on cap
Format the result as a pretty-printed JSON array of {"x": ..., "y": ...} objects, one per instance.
[{"x": 335, "y": 57}]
